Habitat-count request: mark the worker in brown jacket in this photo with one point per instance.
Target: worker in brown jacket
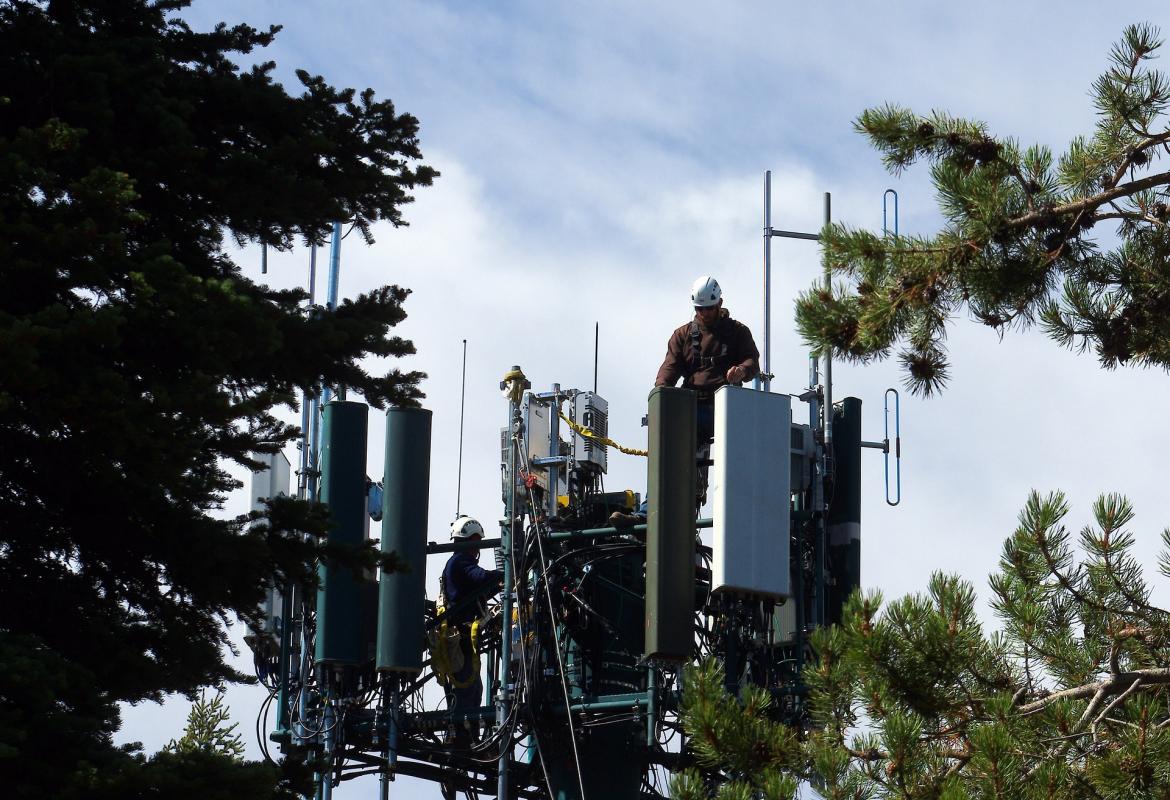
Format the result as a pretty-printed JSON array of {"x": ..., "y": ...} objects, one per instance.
[{"x": 710, "y": 351}]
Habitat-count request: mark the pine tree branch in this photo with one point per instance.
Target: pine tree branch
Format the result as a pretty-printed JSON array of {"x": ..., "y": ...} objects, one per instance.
[
  {"x": 1115, "y": 703},
  {"x": 1131, "y": 216},
  {"x": 1149, "y": 678},
  {"x": 1128, "y": 162},
  {"x": 1088, "y": 203},
  {"x": 1135, "y": 602},
  {"x": 1091, "y": 709}
]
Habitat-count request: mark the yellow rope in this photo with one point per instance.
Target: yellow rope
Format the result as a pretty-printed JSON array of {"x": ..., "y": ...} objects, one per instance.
[{"x": 589, "y": 434}]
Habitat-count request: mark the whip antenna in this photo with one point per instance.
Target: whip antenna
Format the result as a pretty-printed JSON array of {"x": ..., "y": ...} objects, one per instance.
[
  {"x": 462, "y": 400},
  {"x": 596, "y": 341}
]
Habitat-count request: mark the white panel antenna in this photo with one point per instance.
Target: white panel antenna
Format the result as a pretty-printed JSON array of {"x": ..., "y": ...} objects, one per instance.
[{"x": 750, "y": 489}]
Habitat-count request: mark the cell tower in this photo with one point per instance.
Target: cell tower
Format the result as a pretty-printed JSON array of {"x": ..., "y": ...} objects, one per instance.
[{"x": 580, "y": 644}]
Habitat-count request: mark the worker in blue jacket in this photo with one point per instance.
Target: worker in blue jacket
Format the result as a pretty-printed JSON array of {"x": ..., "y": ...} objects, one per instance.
[{"x": 463, "y": 578}]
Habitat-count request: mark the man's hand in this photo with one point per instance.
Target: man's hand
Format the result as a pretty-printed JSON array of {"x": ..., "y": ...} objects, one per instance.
[{"x": 736, "y": 374}]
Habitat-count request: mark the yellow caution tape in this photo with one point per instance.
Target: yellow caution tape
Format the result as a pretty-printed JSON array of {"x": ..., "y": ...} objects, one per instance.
[{"x": 589, "y": 434}]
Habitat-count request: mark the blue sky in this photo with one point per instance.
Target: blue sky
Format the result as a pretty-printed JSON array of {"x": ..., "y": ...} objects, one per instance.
[{"x": 598, "y": 157}]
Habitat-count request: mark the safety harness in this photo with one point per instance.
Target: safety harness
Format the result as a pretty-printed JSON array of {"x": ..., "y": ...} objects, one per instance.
[
  {"x": 444, "y": 640},
  {"x": 698, "y": 361}
]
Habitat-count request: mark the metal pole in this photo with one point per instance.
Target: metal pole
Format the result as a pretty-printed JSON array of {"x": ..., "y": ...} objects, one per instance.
[
  {"x": 334, "y": 266},
  {"x": 308, "y": 400},
  {"x": 285, "y": 654},
  {"x": 828, "y": 354},
  {"x": 503, "y": 697},
  {"x": 596, "y": 348},
  {"x": 651, "y": 705},
  {"x": 312, "y": 273},
  {"x": 331, "y": 292},
  {"x": 392, "y": 738},
  {"x": 554, "y": 449},
  {"x": 462, "y": 401},
  {"x": 330, "y": 738},
  {"x": 814, "y": 421},
  {"x": 767, "y": 379}
]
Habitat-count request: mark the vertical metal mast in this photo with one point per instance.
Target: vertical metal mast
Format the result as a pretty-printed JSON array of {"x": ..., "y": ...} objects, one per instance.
[
  {"x": 334, "y": 276},
  {"x": 767, "y": 371},
  {"x": 828, "y": 354},
  {"x": 462, "y": 402},
  {"x": 513, "y": 383}
]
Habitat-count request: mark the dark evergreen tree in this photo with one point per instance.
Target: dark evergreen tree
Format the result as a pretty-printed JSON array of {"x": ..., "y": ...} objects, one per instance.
[
  {"x": 1021, "y": 244},
  {"x": 136, "y": 360}
]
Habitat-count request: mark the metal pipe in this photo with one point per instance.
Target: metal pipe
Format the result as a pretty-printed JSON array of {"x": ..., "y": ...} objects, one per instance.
[
  {"x": 285, "y": 653},
  {"x": 330, "y": 740},
  {"x": 309, "y": 411},
  {"x": 331, "y": 291},
  {"x": 334, "y": 266},
  {"x": 585, "y": 533},
  {"x": 652, "y": 705},
  {"x": 767, "y": 380},
  {"x": 392, "y": 733},
  {"x": 263, "y": 259},
  {"x": 312, "y": 273},
  {"x": 314, "y": 448},
  {"x": 389, "y": 712},
  {"x": 306, "y": 488},
  {"x": 503, "y": 697},
  {"x": 828, "y": 409},
  {"x": 814, "y": 421},
  {"x": 821, "y": 543},
  {"x": 812, "y": 237},
  {"x": 554, "y": 449},
  {"x": 596, "y": 349},
  {"x": 462, "y": 403}
]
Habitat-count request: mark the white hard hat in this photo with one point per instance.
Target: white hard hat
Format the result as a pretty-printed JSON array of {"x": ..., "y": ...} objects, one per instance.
[
  {"x": 465, "y": 527},
  {"x": 706, "y": 292}
]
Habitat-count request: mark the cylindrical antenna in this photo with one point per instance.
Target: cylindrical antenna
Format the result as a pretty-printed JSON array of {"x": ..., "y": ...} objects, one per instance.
[
  {"x": 462, "y": 400},
  {"x": 596, "y": 344},
  {"x": 263, "y": 259}
]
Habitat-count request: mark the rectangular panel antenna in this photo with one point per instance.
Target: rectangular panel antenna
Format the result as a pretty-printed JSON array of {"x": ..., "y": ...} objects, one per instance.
[{"x": 750, "y": 489}]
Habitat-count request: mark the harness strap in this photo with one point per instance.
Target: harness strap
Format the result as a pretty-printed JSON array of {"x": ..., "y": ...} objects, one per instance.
[
  {"x": 698, "y": 361},
  {"x": 474, "y": 676}
]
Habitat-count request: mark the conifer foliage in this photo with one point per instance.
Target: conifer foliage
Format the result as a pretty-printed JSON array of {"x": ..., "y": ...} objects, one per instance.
[
  {"x": 1069, "y": 698},
  {"x": 136, "y": 358},
  {"x": 208, "y": 730},
  {"x": 1023, "y": 241}
]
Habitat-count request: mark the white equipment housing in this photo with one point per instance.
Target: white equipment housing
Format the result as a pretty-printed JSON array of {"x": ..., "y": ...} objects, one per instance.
[
  {"x": 750, "y": 491},
  {"x": 271, "y": 480},
  {"x": 537, "y": 426},
  {"x": 592, "y": 411}
]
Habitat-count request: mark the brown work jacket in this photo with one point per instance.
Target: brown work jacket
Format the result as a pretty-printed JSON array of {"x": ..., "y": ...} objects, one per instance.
[{"x": 701, "y": 356}]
